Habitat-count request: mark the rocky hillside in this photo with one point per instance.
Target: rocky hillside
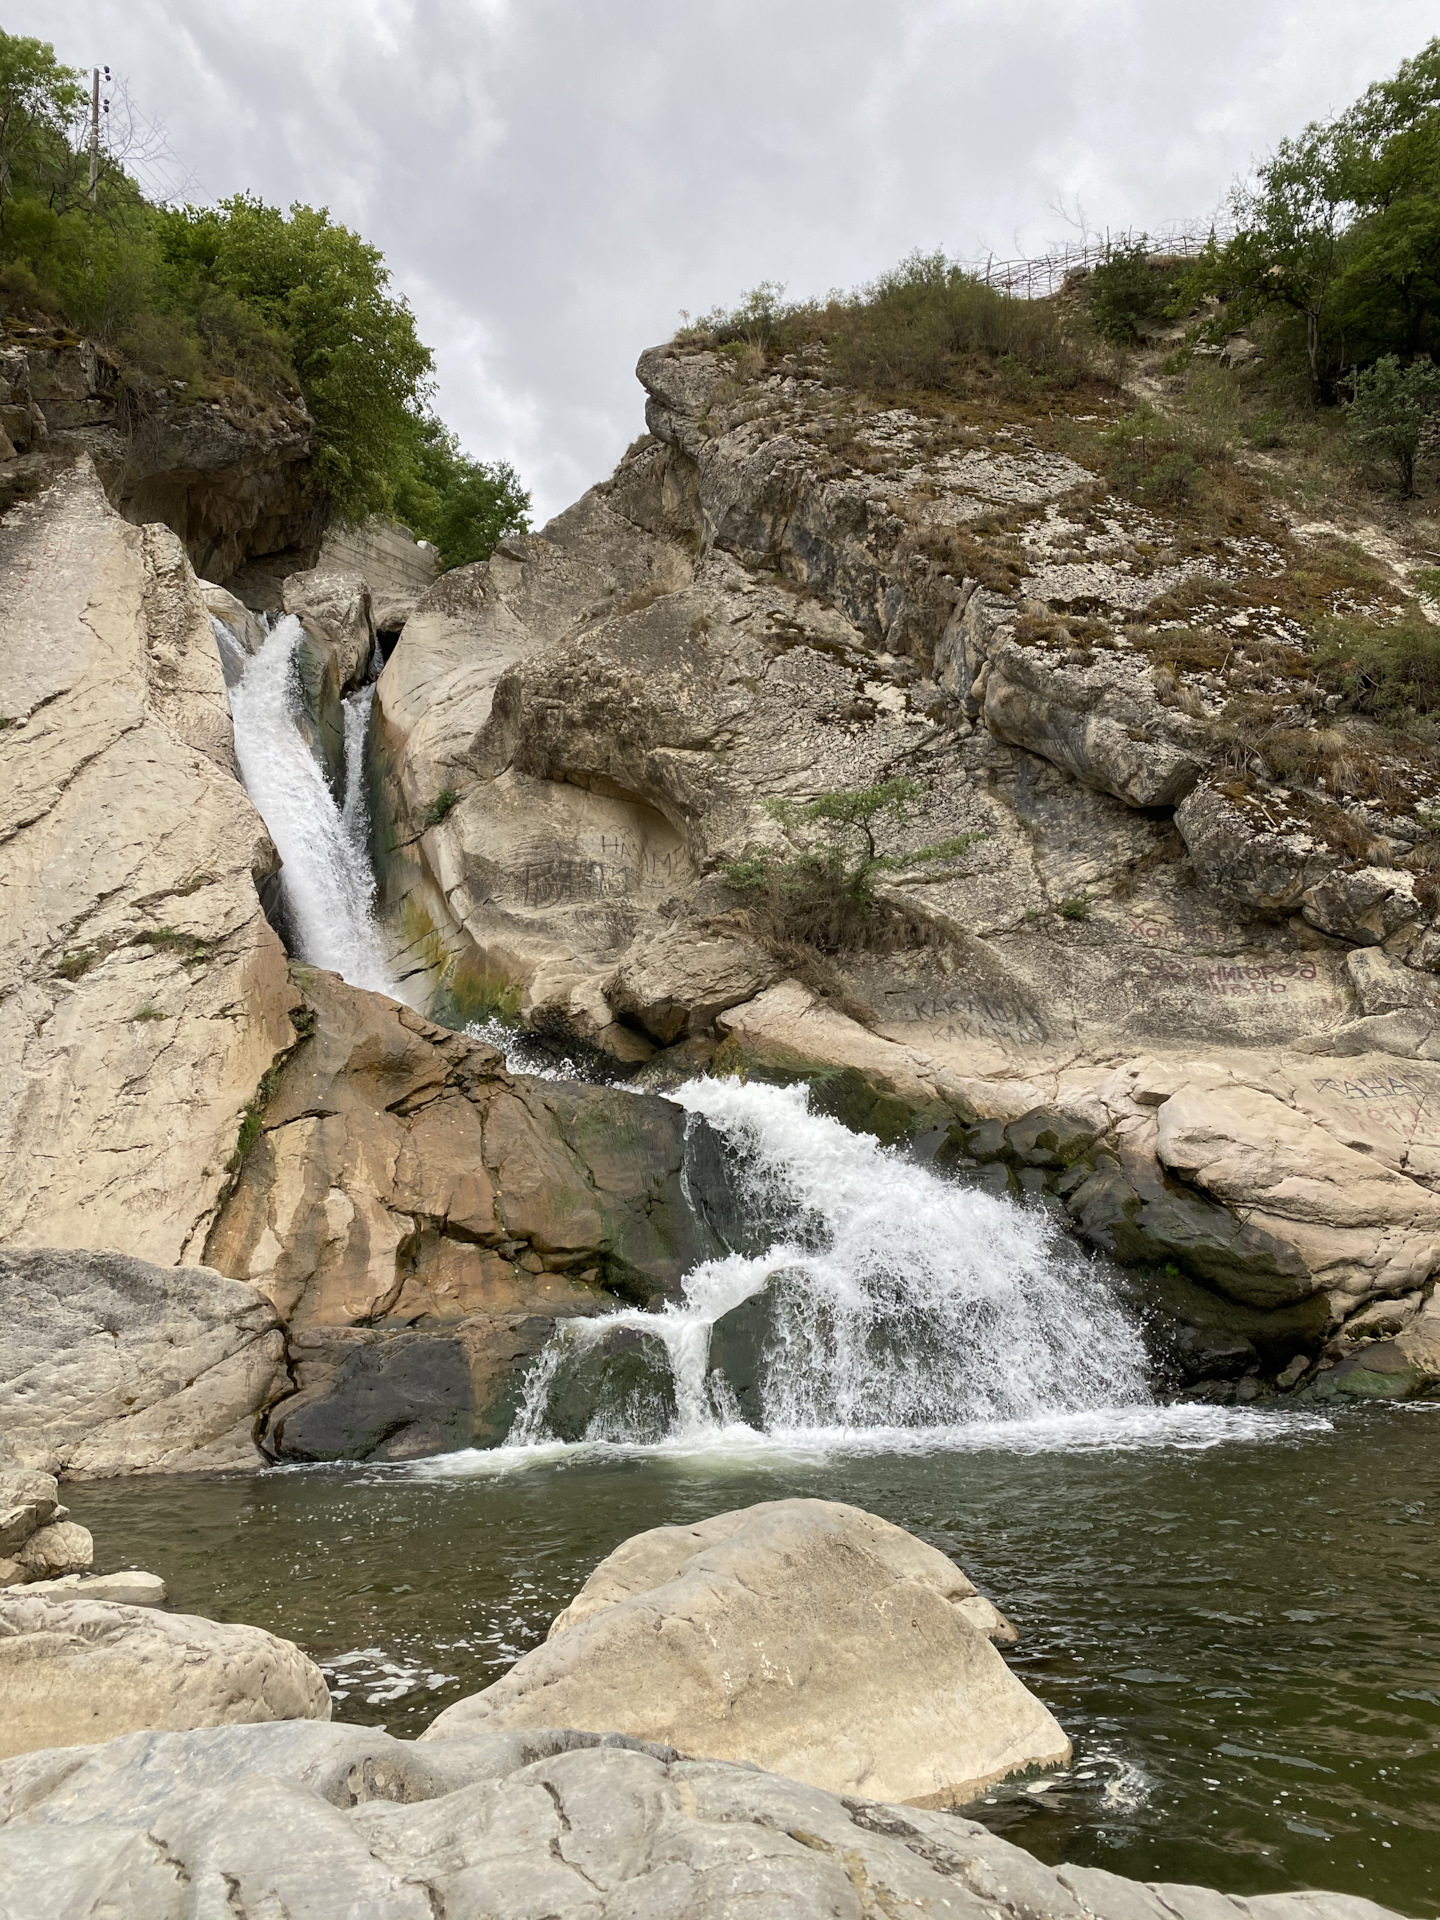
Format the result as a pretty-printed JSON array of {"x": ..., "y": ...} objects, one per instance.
[{"x": 1181, "y": 978}]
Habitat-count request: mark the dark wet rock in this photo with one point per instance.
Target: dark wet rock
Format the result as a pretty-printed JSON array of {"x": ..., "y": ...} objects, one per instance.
[{"x": 612, "y": 1384}]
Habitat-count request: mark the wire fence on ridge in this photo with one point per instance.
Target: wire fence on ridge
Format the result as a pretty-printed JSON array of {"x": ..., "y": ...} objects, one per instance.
[{"x": 1039, "y": 276}]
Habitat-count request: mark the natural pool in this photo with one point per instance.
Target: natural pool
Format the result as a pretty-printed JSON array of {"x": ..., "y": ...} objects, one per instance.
[{"x": 1236, "y": 1615}]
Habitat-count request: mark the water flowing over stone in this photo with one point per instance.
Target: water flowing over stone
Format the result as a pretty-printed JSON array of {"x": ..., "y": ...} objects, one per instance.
[
  {"x": 328, "y": 882},
  {"x": 885, "y": 1298}
]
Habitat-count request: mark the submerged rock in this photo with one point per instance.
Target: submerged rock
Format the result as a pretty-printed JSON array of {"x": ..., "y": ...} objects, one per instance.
[
  {"x": 78, "y": 1671},
  {"x": 800, "y": 1635}
]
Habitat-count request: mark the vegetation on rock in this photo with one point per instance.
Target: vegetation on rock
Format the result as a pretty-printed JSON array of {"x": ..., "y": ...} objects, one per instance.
[{"x": 235, "y": 299}]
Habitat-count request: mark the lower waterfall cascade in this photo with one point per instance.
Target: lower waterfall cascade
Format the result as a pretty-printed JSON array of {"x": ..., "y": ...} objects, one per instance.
[
  {"x": 327, "y": 878},
  {"x": 889, "y": 1300}
]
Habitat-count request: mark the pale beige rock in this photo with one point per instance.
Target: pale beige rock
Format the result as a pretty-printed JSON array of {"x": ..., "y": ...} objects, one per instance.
[
  {"x": 110, "y": 1365},
  {"x": 334, "y": 609},
  {"x": 75, "y": 1672},
  {"x": 801, "y": 1635},
  {"x": 60, "y": 1548},
  {"x": 129, "y": 1589},
  {"x": 222, "y": 605},
  {"x": 1359, "y": 1226},
  {"x": 673, "y": 983},
  {"x": 128, "y": 859},
  {"x": 387, "y": 555}
]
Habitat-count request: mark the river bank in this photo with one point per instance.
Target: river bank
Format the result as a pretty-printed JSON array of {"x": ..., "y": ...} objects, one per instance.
[{"x": 1229, "y": 1611}]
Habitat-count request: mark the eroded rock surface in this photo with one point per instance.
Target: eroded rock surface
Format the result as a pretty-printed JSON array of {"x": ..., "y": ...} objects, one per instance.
[
  {"x": 800, "y": 1635},
  {"x": 142, "y": 994},
  {"x": 322, "y": 1822},
  {"x": 110, "y": 1365},
  {"x": 75, "y": 1672}
]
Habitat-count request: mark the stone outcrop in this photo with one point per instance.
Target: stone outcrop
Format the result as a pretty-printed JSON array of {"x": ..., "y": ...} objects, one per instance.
[
  {"x": 76, "y": 1672},
  {"x": 142, "y": 995},
  {"x": 332, "y": 660},
  {"x": 800, "y": 1635},
  {"x": 320, "y": 1822},
  {"x": 228, "y": 472},
  {"x": 38, "y": 1539},
  {"x": 419, "y": 1219},
  {"x": 785, "y": 590},
  {"x": 110, "y": 1365}
]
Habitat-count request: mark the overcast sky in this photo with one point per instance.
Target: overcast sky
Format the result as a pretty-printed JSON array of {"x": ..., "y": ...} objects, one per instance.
[{"x": 552, "y": 181}]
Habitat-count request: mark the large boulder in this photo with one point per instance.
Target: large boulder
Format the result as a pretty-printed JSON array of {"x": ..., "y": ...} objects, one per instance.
[
  {"x": 143, "y": 997},
  {"x": 75, "y": 1672},
  {"x": 110, "y": 1365},
  {"x": 675, "y": 983},
  {"x": 800, "y": 1635},
  {"x": 326, "y": 1822},
  {"x": 401, "y": 1174}
]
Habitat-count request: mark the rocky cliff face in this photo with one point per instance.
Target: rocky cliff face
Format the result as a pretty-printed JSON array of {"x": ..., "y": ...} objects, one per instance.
[
  {"x": 391, "y": 1223},
  {"x": 1176, "y": 948},
  {"x": 228, "y": 474}
]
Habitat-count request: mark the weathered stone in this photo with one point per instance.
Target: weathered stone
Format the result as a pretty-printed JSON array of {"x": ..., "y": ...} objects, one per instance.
[
  {"x": 142, "y": 994},
  {"x": 753, "y": 1636},
  {"x": 387, "y": 556},
  {"x": 674, "y": 984},
  {"x": 110, "y": 1365},
  {"x": 1234, "y": 847},
  {"x": 1366, "y": 905},
  {"x": 60, "y": 1548},
  {"x": 326, "y": 1822},
  {"x": 129, "y": 1589},
  {"x": 222, "y": 605},
  {"x": 75, "y": 1672}
]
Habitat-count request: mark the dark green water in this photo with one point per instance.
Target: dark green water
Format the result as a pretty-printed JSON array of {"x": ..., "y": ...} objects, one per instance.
[{"x": 1243, "y": 1638}]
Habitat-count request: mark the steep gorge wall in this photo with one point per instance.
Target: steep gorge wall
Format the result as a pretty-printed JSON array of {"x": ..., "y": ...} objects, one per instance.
[{"x": 1216, "y": 978}]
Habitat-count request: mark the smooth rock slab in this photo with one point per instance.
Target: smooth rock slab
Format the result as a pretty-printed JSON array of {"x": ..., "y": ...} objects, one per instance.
[
  {"x": 332, "y": 1822},
  {"x": 800, "y": 1635},
  {"x": 75, "y": 1672}
]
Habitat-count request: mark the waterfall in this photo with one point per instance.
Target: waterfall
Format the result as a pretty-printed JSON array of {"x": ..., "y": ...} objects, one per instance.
[
  {"x": 888, "y": 1301},
  {"x": 327, "y": 878}
]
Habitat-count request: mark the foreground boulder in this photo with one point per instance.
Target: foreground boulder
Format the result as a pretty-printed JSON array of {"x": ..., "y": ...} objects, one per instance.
[
  {"x": 326, "y": 1822},
  {"x": 38, "y": 1539},
  {"x": 801, "y": 1635},
  {"x": 110, "y": 1365},
  {"x": 75, "y": 1672}
]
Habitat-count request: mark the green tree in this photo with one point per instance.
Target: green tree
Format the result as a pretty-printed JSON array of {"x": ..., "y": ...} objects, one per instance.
[
  {"x": 39, "y": 99},
  {"x": 1394, "y": 411},
  {"x": 361, "y": 365},
  {"x": 1125, "y": 291},
  {"x": 824, "y": 895},
  {"x": 463, "y": 507}
]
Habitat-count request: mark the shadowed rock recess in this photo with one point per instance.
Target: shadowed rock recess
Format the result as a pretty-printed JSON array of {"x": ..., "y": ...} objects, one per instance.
[{"x": 1189, "y": 1000}]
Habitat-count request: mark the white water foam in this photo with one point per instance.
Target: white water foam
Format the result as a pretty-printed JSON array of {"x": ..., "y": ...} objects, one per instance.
[
  {"x": 893, "y": 1311},
  {"x": 327, "y": 879}
]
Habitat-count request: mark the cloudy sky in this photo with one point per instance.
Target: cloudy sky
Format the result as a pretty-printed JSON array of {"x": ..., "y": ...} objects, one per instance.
[{"x": 553, "y": 181}]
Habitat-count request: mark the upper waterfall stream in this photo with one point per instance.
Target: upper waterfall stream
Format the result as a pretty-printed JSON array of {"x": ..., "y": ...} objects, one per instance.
[{"x": 327, "y": 879}]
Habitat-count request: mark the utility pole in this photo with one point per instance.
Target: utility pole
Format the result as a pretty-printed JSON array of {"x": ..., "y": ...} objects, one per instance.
[{"x": 94, "y": 133}]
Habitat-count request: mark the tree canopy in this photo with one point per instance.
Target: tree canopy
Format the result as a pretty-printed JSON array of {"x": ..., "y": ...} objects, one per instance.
[{"x": 240, "y": 292}]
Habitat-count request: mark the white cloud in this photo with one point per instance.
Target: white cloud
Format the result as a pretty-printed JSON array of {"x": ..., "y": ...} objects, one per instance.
[{"x": 553, "y": 180}]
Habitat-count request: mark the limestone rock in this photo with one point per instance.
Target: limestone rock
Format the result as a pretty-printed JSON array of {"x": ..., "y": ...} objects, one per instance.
[
  {"x": 142, "y": 994},
  {"x": 325, "y": 1822},
  {"x": 76, "y": 1672},
  {"x": 401, "y": 1174},
  {"x": 334, "y": 609},
  {"x": 674, "y": 984},
  {"x": 129, "y": 1589},
  {"x": 754, "y": 1636},
  {"x": 387, "y": 556},
  {"x": 222, "y": 605},
  {"x": 1367, "y": 905},
  {"x": 1357, "y": 1226},
  {"x": 60, "y": 1548},
  {"x": 1235, "y": 847},
  {"x": 110, "y": 1365},
  {"x": 28, "y": 1500}
]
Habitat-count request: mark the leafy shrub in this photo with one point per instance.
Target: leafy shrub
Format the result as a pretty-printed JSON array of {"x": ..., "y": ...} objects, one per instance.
[
  {"x": 926, "y": 324},
  {"x": 824, "y": 896},
  {"x": 441, "y": 806},
  {"x": 1388, "y": 670},
  {"x": 463, "y": 507},
  {"x": 1075, "y": 909},
  {"x": 1126, "y": 290},
  {"x": 1394, "y": 411}
]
